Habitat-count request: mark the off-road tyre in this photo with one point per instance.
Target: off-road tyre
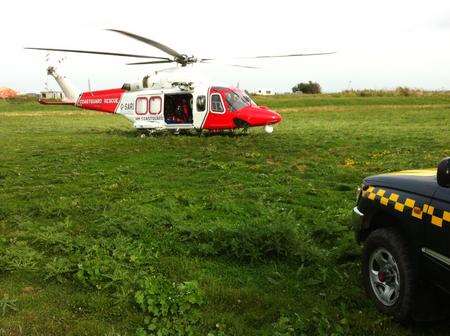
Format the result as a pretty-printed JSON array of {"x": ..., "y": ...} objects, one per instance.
[{"x": 390, "y": 240}]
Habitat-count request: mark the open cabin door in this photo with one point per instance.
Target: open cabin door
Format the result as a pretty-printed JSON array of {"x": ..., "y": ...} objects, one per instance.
[
  {"x": 200, "y": 108},
  {"x": 178, "y": 110}
]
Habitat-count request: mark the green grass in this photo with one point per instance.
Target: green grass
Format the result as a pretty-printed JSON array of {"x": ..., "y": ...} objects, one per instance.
[{"x": 238, "y": 235}]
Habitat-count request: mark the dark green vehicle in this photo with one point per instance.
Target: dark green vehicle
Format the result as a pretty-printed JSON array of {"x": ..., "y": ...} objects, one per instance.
[{"x": 403, "y": 221}]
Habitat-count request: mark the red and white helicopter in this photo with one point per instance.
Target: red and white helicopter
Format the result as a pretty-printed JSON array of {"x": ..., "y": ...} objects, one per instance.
[{"x": 172, "y": 99}]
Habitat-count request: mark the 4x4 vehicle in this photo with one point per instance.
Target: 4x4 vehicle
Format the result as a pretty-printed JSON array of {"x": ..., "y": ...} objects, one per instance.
[{"x": 403, "y": 221}]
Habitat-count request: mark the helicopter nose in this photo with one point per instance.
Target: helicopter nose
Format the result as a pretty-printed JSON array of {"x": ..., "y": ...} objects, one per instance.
[
  {"x": 276, "y": 118},
  {"x": 259, "y": 116},
  {"x": 271, "y": 117}
]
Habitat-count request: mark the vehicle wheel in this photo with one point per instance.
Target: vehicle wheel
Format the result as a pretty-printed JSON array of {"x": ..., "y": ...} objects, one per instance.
[{"x": 389, "y": 273}]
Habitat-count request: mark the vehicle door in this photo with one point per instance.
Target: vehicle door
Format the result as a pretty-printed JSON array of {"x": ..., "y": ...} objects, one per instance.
[{"x": 437, "y": 236}]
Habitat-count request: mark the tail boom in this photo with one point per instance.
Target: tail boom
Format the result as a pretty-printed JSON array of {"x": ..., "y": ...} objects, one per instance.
[{"x": 102, "y": 101}]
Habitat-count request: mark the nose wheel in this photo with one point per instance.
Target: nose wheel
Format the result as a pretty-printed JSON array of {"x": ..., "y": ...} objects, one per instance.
[{"x": 268, "y": 129}]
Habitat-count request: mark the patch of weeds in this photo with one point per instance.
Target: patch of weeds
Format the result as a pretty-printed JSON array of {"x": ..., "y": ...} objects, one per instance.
[
  {"x": 346, "y": 250},
  {"x": 182, "y": 199},
  {"x": 3, "y": 212},
  {"x": 50, "y": 240},
  {"x": 59, "y": 269},
  {"x": 171, "y": 309},
  {"x": 19, "y": 256},
  {"x": 112, "y": 262},
  {"x": 101, "y": 273},
  {"x": 319, "y": 324},
  {"x": 326, "y": 235},
  {"x": 285, "y": 326},
  {"x": 56, "y": 209},
  {"x": 7, "y": 304},
  {"x": 193, "y": 163},
  {"x": 344, "y": 187},
  {"x": 248, "y": 242}
]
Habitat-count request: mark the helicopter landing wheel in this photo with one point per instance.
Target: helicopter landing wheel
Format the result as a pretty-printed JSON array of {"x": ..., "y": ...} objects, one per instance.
[
  {"x": 242, "y": 124},
  {"x": 141, "y": 133},
  {"x": 245, "y": 129}
]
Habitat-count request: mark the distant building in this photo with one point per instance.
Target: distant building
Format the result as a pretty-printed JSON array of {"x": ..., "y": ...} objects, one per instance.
[
  {"x": 7, "y": 93},
  {"x": 51, "y": 95},
  {"x": 264, "y": 92},
  {"x": 31, "y": 95}
]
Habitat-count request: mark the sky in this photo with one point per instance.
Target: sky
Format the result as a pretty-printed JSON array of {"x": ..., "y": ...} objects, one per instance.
[{"x": 379, "y": 44}]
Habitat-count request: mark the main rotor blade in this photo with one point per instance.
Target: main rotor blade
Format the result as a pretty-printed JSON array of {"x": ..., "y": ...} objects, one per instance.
[
  {"x": 99, "y": 53},
  {"x": 155, "y": 44},
  {"x": 208, "y": 61},
  {"x": 290, "y": 55},
  {"x": 243, "y": 66},
  {"x": 152, "y": 62}
]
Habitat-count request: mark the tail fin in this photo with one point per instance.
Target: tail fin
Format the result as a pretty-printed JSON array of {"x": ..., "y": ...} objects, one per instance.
[{"x": 71, "y": 94}]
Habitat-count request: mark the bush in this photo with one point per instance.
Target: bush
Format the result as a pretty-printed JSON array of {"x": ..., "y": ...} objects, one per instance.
[
  {"x": 398, "y": 92},
  {"x": 308, "y": 88}
]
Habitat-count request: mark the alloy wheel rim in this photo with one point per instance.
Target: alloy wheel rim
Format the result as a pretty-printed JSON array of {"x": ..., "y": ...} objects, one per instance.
[{"x": 384, "y": 277}]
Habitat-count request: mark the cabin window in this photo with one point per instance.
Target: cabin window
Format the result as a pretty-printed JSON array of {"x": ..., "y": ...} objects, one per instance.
[
  {"x": 201, "y": 103},
  {"x": 141, "y": 105},
  {"x": 216, "y": 103},
  {"x": 155, "y": 105}
]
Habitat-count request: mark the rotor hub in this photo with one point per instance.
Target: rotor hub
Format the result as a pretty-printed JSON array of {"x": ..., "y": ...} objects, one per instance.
[{"x": 185, "y": 60}]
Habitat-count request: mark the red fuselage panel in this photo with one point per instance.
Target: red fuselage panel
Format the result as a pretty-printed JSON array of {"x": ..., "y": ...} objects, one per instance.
[
  {"x": 104, "y": 101},
  {"x": 251, "y": 115}
]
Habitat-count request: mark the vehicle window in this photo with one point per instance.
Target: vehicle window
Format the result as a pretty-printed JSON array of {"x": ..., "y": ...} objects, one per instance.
[
  {"x": 235, "y": 101},
  {"x": 201, "y": 103},
  {"x": 216, "y": 103},
  {"x": 155, "y": 105},
  {"x": 141, "y": 105}
]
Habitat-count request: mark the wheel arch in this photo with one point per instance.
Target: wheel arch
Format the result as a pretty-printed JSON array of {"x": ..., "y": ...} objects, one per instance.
[{"x": 379, "y": 219}]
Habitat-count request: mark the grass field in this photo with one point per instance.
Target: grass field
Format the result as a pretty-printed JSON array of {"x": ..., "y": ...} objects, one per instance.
[{"x": 105, "y": 233}]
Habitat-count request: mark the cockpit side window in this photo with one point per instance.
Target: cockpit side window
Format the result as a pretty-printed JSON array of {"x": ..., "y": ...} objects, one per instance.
[
  {"x": 216, "y": 103},
  {"x": 235, "y": 101},
  {"x": 248, "y": 99}
]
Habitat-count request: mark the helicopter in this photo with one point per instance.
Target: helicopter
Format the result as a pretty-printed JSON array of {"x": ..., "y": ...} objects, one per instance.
[{"x": 171, "y": 99}]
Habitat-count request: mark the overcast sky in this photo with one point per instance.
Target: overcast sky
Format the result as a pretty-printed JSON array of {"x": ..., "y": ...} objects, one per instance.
[{"x": 380, "y": 44}]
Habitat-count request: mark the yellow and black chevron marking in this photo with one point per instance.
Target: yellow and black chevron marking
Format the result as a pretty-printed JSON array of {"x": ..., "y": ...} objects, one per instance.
[{"x": 407, "y": 206}]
